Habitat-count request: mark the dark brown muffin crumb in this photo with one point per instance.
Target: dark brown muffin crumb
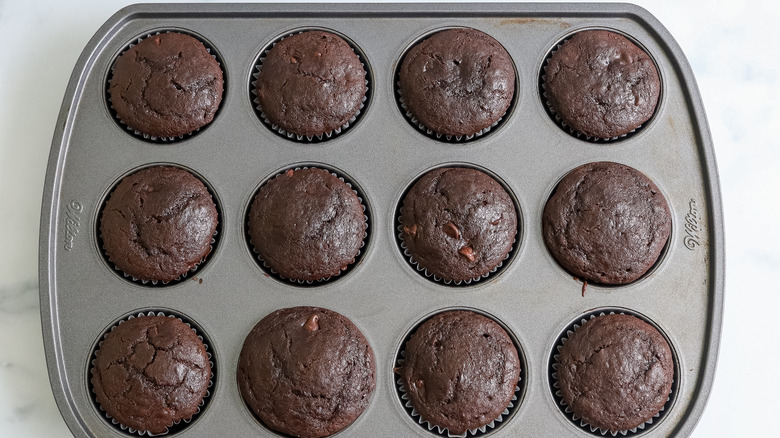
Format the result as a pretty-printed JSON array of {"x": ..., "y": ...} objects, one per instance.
[
  {"x": 151, "y": 372},
  {"x": 460, "y": 370},
  {"x": 601, "y": 84},
  {"x": 158, "y": 224},
  {"x": 307, "y": 224},
  {"x": 458, "y": 223},
  {"x": 306, "y": 371},
  {"x": 615, "y": 372},
  {"x": 606, "y": 223},
  {"x": 167, "y": 85},
  {"x": 311, "y": 83},
  {"x": 457, "y": 82}
]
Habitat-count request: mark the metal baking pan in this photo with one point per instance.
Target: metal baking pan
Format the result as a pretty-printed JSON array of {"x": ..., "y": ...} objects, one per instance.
[{"x": 81, "y": 295}]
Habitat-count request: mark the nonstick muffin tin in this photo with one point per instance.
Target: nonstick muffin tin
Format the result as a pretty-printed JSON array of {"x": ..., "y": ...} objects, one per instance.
[{"x": 381, "y": 155}]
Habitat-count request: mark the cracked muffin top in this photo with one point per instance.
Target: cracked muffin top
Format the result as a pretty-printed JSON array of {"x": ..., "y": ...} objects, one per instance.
[
  {"x": 306, "y": 371},
  {"x": 460, "y": 370},
  {"x": 158, "y": 224},
  {"x": 601, "y": 84},
  {"x": 458, "y": 223},
  {"x": 151, "y": 372},
  {"x": 615, "y": 372},
  {"x": 166, "y": 86},
  {"x": 311, "y": 83},
  {"x": 307, "y": 224},
  {"x": 606, "y": 223},
  {"x": 457, "y": 82}
]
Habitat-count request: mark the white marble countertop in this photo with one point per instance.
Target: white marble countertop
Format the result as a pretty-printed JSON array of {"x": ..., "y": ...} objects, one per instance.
[{"x": 729, "y": 44}]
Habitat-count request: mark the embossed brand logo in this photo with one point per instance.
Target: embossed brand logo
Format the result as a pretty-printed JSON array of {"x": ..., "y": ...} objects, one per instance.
[
  {"x": 692, "y": 226},
  {"x": 72, "y": 223}
]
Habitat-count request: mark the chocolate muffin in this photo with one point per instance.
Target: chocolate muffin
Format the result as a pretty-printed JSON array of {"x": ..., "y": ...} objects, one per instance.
[
  {"x": 166, "y": 86},
  {"x": 307, "y": 224},
  {"x": 601, "y": 84},
  {"x": 606, "y": 223},
  {"x": 457, "y": 82},
  {"x": 158, "y": 224},
  {"x": 615, "y": 372},
  {"x": 458, "y": 223},
  {"x": 311, "y": 84},
  {"x": 306, "y": 371},
  {"x": 151, "y": 372},
  {"x": 460, "y": 370}
]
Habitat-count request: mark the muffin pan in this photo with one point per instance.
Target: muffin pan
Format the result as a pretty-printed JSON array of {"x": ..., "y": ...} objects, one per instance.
[{"x": 81, "y": 295}]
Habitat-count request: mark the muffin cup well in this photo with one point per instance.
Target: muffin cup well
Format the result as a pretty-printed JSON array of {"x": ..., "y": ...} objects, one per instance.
[
  {"x": 177, "y": 426},
  {"x": 151, "y": 138},
  {"x": 558, "y": 120},
  {"x": 322, "y": 281},
  {"x": 435, "y": 278},
  {"x": 258, "y": 67},
  {"x": 566, "y": 410},
  {"x": 155, "y": 283},
  {"x": 488, "y": 428}
]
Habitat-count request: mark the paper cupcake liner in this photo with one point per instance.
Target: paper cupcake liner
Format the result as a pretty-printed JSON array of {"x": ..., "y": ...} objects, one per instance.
[
  {"x": 176, "y": 426},
  {"x": 443, "y": 431},
  {"x": 557, "y": 117},
  {"x": 401, "y": 390},
  {"x": 151, "y": 138},
  {"x": 576, "y": 420},
  {"x": 307, "y": 138},
  {"x": 323, "y": 280},
  {"x": 438, "y": 136},
  {"x": 162, "y": 283},
  {"x": 429, "y": 275},
  {"x": 182, "y": 277}
]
